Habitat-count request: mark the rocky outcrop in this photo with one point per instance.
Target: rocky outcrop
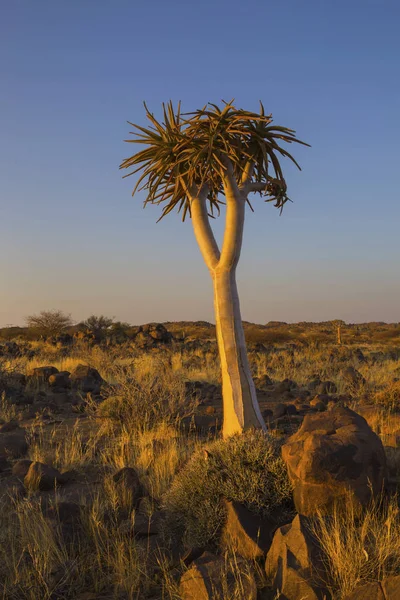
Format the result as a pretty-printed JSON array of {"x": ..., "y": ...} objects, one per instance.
[
  {"x": 151, "y": 335},
  {"x": 334, "y": 456},
  {"x": 388, "y": 589},
  {"x": 40, "y": 375},
  {"x": 294, "y": 562},
  {"x": 86, "y": 379},
  {"x": 244, "y": 532},
  {"x": 204, "y": 580},
  {"x": 42, "y": 477}
]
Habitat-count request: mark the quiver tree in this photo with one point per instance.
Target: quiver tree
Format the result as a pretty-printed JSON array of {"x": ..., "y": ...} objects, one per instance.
[{"x": 194, "y": 163}]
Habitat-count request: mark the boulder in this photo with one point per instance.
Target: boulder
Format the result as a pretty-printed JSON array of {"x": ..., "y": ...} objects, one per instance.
[
  {"x": 21, "y": 468},
  {"x": 391, "y": 587},
  {"x": 40, "y": 375},
  {"x": 42, "y": 477},
  {"x": 352, "y": 377},
  {"x": 263, "y": 382},
  {"x": 13, "y": 444},
  {"x": 368, "y": 591},
  {"x": 284, "y": 386},
  {"x": 388, "y": 589},
  {"x": 204, "y": 580},
  {"x": 334, "y": 456},
  {"x": 294, "y": 562},
  {"x": 279, "y": 410},
  {"x": 244, "y": 532},
  {"x": 317, "y": 404},
  {"x": 152, "y": 334},
  {"x": 86, "y": 379},
  {"x": 326, "y": 387},
  {"x": 145, "y": 525},
  {"x": 314, "y": 383},
  {"x": 60, "y": 380}
]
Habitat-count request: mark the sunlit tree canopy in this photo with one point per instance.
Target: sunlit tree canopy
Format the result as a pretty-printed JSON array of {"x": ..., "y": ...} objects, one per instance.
[{"x": 194, "y": 149}]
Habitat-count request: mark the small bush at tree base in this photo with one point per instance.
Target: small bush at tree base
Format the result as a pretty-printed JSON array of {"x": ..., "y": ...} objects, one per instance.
[{"x": 246, "y": 468}]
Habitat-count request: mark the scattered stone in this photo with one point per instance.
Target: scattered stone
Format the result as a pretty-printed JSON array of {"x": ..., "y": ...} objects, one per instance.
[
  {"x": 291, "y": 409},
  {"x": 358, "y": 355},
  {"x": 294, "y": 562},
  {"x": 388, "y": 589},
  {"x": 326, "y": 387},
  {"x": 40, "y": 375},
  {"x": 86, "y": 379},
  {"x": 279, "y": 410},
  {"x": 352, "y": 377},
  {"x": 334, "y": 456},
  {"x": 314, "y": 383},
  {"x": 145, "y": 525},
  {"x": 203, "y": 580},
  {"x": 331, "y": 405},
  {"x": 391, "y": 587},
  {"x": 151, "y": 335},
  {"x": 13, "y": 444},
  {"x": 21, "y": 468},
  {"x": 200, "y": 423},
  {"x": 368, "y": 591},
  {"x": 263, "y": 382},
  {"x": 318, "y": 405},
  {"x": 42, "y": 477},
  {"x": 244, "y": 532},
  {"x": 267, "y": 413},
  {"x": 60, "y": 380},
  {"x": 191, "y": 554},
  {"x": 284, "y": 386}
]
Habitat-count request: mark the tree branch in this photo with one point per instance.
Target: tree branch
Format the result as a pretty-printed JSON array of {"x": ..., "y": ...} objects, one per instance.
[
  {"x": 234, "y": 222},
  {"x": 260, "y": 186},
  {"x": 247, "y": 174},
  {"x": 201, "y": 226}
]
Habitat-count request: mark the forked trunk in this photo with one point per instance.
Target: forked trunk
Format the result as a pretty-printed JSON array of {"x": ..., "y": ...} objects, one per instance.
[
  {"x": 240, "y": 404},
  {"x": 241, "y": 409}
]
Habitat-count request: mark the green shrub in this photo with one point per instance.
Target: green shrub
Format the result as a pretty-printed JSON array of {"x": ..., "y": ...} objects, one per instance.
[{"x": 246, "y": 468}]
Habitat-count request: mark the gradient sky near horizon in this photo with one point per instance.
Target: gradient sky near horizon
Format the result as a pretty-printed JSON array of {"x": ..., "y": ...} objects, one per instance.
[{"x": 71, "y": 75}]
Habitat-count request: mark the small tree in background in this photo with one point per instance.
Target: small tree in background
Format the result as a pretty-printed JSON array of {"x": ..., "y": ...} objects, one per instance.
[
  {"x": 49, "y": 322},
  {"x": 98, "y": 325},
  {"x": 189, "y": 163},
  {"x": 338, "y": 324}
]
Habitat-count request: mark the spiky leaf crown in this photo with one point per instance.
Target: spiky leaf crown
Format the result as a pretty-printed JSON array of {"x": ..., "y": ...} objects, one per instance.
[{"x": 192, "y": 149}]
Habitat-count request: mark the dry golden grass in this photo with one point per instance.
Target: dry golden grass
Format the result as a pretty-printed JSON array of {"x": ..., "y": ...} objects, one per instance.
[
  {"x": 360, "y": 550},
  {"x": 36, "y": 561}
]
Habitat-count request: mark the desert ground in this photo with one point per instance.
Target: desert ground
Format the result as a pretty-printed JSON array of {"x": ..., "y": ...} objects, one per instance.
[{"x": 115, "y": 482}]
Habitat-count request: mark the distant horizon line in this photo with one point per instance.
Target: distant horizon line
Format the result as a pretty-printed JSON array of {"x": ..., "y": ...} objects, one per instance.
[{"x": 244, "y": 321}]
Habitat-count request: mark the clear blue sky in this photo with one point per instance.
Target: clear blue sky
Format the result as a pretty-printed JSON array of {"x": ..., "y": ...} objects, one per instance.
[{"x": 73, "y": 72}]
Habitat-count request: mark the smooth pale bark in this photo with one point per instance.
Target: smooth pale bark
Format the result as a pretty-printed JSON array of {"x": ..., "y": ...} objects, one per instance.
[{"x": 240, "y": 404}]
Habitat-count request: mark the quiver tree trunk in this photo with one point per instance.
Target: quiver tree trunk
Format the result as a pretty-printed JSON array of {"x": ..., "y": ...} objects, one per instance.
[{"x": 240, "y": 404}]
